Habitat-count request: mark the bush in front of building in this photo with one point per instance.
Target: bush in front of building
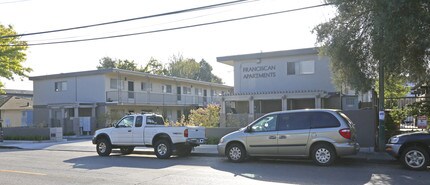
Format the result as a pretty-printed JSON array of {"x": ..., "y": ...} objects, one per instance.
[
  {"x": 29, "y": 138},
  {"x": 206, "y": 117}
]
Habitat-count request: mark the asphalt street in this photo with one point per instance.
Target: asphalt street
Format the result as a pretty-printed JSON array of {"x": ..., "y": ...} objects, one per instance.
[{"x": 50, "y": 166}]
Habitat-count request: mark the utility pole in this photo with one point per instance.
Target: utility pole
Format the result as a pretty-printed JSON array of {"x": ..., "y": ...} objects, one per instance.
[{"x": 381, "y": 134}]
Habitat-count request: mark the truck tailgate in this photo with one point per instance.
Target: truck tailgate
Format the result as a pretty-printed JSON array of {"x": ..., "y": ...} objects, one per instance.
[{"x": 196, "y": 132}]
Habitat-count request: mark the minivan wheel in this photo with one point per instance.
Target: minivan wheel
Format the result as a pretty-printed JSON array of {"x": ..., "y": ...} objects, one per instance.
[
  {"x": 323, "y": 154},
  {"x": 236, "y": 153},
  {"x": 415, "y": 158}
]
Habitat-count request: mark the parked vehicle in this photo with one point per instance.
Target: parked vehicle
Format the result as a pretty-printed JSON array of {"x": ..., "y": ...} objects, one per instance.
[
  {"x": 321, "y": 134},
  {"x": 412, "y": 149},
  {"x": 148, "y": 130},
  {"x": 1, "y": 131}
]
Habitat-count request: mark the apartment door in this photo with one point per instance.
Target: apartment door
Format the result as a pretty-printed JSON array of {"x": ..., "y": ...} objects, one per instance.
[
  {"x": 130, "y": 90},
  {"x": 205, "y": 96},
  {"x": 178, "y": 92}
]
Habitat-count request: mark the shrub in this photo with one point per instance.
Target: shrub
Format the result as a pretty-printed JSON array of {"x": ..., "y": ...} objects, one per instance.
[{"x": 30, "y": 138}]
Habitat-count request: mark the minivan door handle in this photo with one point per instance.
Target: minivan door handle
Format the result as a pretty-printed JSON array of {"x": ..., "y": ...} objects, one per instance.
[
  {"x": 272, "y": 137},
  {"x": 282, "y": 137}
]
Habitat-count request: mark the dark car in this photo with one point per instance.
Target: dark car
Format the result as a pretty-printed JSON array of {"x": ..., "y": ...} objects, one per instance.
[{"x": 412, "y": 149}]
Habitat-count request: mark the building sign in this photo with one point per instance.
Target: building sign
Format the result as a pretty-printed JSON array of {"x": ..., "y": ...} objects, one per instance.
[
  {"x": 264, "y": 71},
  {"x": 422, "y": 122}
]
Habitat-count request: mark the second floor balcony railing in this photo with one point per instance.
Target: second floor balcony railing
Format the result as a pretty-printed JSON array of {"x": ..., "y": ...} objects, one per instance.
[{"x": 132, "y": 97}]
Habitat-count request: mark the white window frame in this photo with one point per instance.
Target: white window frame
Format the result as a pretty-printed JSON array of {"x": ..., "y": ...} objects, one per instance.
[
  {"x": 113, "y": 83},
  {"x": 60, "y": 86},
  {"x": 301, "y": 66},
  {"x": 165, "y": 89},
  {"x": 186, "y": 90}
]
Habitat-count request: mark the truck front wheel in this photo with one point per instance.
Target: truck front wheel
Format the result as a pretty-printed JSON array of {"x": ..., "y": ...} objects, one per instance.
[
  {"x": 103, "y": 147},
  {"x": 163, "y": 149}
]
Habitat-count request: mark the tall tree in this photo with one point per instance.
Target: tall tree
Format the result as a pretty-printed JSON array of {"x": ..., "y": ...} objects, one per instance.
[
  {"x": 12, "y": 57},
  {"x": 183, "y": 67},
  {"x": 109, "y": 63},
  {"x": 154, "y": 67},
  {"x": 364, "y": 35},
  {"x": 127, "y": 64},
  {"x": 189, "y": 68}
]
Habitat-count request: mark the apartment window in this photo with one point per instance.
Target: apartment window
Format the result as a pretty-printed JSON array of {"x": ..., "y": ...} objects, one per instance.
[
  {"x": 166, "y": 88},
  {"x": 198, "y": 91},
  {"x": 350, "y": 101},
  {"x": 186, "y": 90},
  {"x": 301, "y": 67},
  {"x": 60, "y": 86},
  {"x": 145, "y": 86},
  {"x": 114, "y": 83}
]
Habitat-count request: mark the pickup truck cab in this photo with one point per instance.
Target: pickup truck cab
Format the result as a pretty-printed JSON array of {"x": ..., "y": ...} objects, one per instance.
[{"x": 148, "y": 130}]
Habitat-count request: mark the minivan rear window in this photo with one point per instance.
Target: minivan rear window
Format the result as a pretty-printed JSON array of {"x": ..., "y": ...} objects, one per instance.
[
  {"x": 323, "y": 120},
  {"x": 346, "y": 119}
]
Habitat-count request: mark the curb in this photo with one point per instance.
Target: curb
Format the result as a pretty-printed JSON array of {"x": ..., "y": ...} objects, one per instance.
[{"x": 9, "y": 147}]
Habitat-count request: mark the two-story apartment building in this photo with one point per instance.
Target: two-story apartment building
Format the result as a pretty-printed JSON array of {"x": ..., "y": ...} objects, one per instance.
[
  {"x": 281, "y": 80},
  {"x": 81, "y": 102}
]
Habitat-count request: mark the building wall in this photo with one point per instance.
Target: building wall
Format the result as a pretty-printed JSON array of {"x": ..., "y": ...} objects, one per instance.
[
  {"x": 79, "y": 89},
  {"x": 11, "y": 118},
  {"x": 274, "y": 76},
  {"x": 40, "y": 116}
]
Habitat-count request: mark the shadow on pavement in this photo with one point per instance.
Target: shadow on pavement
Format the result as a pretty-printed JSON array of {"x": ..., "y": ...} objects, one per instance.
[{"x": 290, "y": 171}]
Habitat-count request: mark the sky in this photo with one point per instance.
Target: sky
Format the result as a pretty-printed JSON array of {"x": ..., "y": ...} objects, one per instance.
[{"x": 271, "y": 33}]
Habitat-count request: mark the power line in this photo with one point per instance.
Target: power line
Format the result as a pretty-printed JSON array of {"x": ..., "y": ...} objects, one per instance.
[
  {"x": 175, "y": 28},
  {"x": 133, "y": 19},
  {"x": 10, "y": 2},
  {"x": 116, "y": 32}
]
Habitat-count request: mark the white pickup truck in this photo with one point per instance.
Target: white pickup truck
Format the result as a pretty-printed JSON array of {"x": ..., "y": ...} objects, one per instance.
[{"x": 148, "y": 130}]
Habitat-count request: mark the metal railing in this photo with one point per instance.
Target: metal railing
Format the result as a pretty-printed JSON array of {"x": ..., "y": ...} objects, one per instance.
[{"x": 131, "y": 97}]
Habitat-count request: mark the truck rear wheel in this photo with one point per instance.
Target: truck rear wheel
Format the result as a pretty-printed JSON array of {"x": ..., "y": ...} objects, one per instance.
[
  {"x": 125, "y": 150},
  {"x": 163, "y": 149},
  {"x": 103, "y": 147}
]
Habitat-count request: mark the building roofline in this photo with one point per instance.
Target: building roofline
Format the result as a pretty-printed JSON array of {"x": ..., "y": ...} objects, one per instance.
[
  {"x": 123, "y": 71},
  {"x": 229, "y": 60}
]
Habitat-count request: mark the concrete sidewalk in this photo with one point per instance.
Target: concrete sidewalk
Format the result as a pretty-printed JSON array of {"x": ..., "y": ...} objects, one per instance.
[{"x": 85, "y": 145}]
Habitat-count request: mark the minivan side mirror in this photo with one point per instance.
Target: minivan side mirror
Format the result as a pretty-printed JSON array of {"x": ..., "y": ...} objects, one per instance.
[{"x": 248, "y": 129}]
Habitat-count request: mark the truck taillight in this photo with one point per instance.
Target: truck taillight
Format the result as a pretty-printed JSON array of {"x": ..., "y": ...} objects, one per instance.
[
  {"x": 346, "y": 133},
  {"x": 186, "y": 133}
]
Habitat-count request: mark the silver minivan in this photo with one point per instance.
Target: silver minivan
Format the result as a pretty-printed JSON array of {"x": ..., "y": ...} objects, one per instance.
[{"x": 322, "y": 134}]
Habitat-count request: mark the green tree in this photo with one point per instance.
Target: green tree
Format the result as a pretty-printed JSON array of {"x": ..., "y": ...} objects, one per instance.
[
  {"x": 189, "y": 68},
  {"x": 183, "y": 67},
  {"x": 364, "y": 35},
  {"x": 154, "y": 67},
  {"x": 394, "y": 88},
  {"x": 109, "y": 63},
  {"x": 127, "y": 65},
  {"x": 12, "y": 57}
]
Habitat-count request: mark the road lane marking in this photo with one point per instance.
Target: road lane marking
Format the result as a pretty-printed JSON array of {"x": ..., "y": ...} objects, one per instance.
[{"x": 22, "y": 172}]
